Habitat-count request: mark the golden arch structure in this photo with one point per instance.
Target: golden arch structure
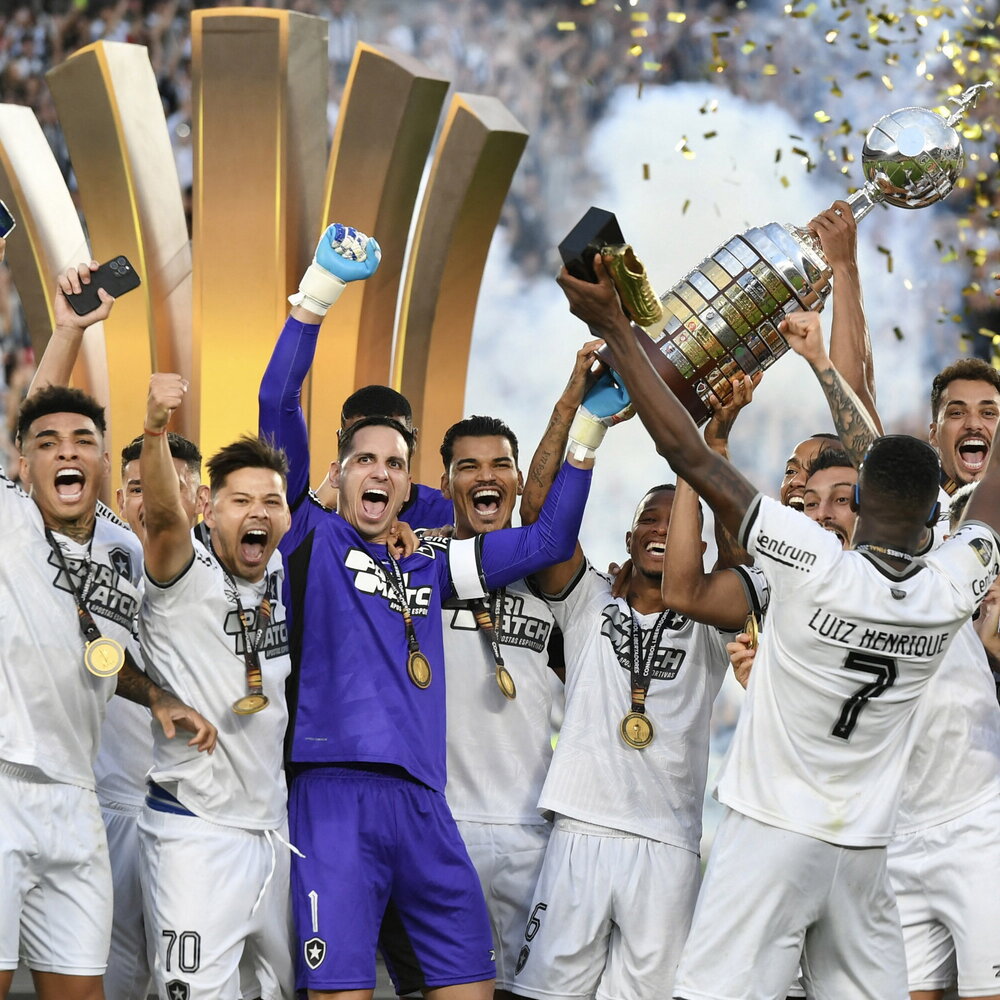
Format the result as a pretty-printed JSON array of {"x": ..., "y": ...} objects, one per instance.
[{"x": 264, "y": 189}]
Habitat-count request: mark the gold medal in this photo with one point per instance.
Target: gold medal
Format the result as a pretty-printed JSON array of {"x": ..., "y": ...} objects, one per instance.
[
  {"x": 419, "y": 669},
  {"x": 251, "y": 703},
  {"x": 752, "y": 629},
  {"x": 505, "y": 682},
  {"x": 636, "y": 730},
  {"x": 104, "y": 657}
]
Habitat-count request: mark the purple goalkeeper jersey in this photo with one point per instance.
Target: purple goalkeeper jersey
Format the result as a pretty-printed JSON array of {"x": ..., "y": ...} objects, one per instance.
[{"x": 350, "y": 697}]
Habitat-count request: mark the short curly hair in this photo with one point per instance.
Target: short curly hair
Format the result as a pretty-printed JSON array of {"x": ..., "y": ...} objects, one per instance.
[{"x": 972, "y": 369}]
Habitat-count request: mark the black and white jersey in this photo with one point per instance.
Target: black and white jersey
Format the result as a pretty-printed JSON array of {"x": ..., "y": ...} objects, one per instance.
[
  {"x": 52, "y": 707},
  {"x": 658, "y": 791},
  {"x": 193, "y": 643},
  {"x": 824, "y": 737},
  {"x": 499, "y": 750}
]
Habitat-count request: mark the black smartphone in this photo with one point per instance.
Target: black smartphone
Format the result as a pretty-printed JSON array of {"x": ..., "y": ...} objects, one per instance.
[
  {"x": 116, "y": 277},
  {"x": 7, "y": 222}
]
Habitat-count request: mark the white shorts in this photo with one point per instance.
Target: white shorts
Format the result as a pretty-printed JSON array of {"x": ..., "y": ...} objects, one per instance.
[
  {"x": 128, "y": 965},
  {"x": 211, "y": 896},
  {"x": 609, "y": 916},
  {"x": 947, "y": 883},
  {"x": 55, "y": 883},
  {"x": 508, "y": 859},
  {"x": 770, "y": 896}
]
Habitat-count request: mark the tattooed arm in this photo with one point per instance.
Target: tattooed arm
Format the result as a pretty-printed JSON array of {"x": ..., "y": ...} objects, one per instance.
[
  {"x": 170, "y": 712},
  {"x": 548, "y": 455},
  {"x": 673, "y": 431},
  {"x": 850, "y": 344},
  {"x": 855, "y": 427}
]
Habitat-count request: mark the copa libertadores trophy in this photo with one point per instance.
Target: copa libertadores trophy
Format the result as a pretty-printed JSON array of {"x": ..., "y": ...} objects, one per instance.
[{"x": 721, "y": 320}]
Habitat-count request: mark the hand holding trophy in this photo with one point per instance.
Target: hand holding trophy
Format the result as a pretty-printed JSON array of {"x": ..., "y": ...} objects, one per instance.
[{"x": 720, "y": 322}]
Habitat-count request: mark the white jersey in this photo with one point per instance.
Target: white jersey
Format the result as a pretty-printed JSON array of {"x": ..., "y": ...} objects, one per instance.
[
  {"x": 192, "y": 640},
  {"x": 655, "y": 792},
  {"x": 52, "y": 706},
  {"x": 499, "y": 750},
  {"x": 851, "y": 644},
  {"x": 125, "y": 754},
  {"x": 955, "y": 762}
]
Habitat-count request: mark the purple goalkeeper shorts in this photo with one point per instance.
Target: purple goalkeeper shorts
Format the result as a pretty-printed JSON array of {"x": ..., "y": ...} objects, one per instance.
[{"x": 384, "y": 867}]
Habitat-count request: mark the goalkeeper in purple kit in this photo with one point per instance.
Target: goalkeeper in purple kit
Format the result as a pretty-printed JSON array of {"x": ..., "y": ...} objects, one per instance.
[{"x": 384, "y": 864}]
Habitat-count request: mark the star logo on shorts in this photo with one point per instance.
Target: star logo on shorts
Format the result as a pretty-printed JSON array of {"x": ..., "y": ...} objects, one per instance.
[
  {"x": 315, "y": 951},
  {"x": 178, "y": 990}
]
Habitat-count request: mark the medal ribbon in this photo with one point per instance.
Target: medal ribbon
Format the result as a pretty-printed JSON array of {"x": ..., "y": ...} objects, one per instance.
[
  {"x": 91, "y": 633},
  {"x": 398, "y": 585},
  {"x": 490, "y": 620},
  {"x": 255, "y": 677},
  {"x": 642, "y": 665}
]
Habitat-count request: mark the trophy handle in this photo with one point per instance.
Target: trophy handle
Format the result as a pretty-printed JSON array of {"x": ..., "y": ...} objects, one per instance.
[{"x": 863, "y": 201}]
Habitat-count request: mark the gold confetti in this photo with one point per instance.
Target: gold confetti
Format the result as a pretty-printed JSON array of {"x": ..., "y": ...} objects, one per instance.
[
  {"x": 888, "y": 257},
  {"x": 709, "y": 135},
  {"x": 769, "y": 70},
  {"x": 645, "y": 171},
  {"x": 639, "y": 33},
  {"x": 822, "y": 117},
  {"x": 887, "y": 83},
  {"x": 899, "y": 333},
  {"x": 907, "y": 284},
  {"x": 566, "y": 25},
  {"x": 747, "y": 47},
  {"x": 640, "y": 15},
  {"x": 831, "y": 36},
  {"x": 635, "y": 50},
  {"x": 652, "y": 67},
  {"x": 676, "y": 16},
  {"x": 784, "y": 181},
  {"x": 685, "y": 206}
]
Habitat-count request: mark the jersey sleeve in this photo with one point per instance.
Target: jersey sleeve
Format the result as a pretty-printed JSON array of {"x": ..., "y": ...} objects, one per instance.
[
  {"x": 428, "y": 508},
  {"x": 480, "y": 564},
  {"x": 279, "y": 402},
  {"x": 755, "y": 588},
  {"x": 787, "y": 546},
  {"x": 970, "y": 559}
]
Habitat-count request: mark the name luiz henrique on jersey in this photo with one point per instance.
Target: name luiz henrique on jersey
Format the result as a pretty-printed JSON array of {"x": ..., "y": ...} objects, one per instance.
[{"x": 850, "y": 645}]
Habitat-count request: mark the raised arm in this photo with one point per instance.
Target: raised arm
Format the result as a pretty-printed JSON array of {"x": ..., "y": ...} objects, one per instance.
[
  {"x": 715, "y": 598},
  {"x": 717, "y": 431},
  {"x": 512, "y": 553},
  {"x": 604, "y": 404},
  {"x": 167, "y": 546},
  {"x": 56, "y": 364},
  {"x": 854, "y": 426},
  {"x": 338, "y": 260},
  {"x": 548, "y": 455},
  {"x": 850, "y": 344},
  {"x": 673, "y": 431}
]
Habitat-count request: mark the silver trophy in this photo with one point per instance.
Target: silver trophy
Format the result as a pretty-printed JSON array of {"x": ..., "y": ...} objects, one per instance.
[{"x": 721, "y": 320}]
